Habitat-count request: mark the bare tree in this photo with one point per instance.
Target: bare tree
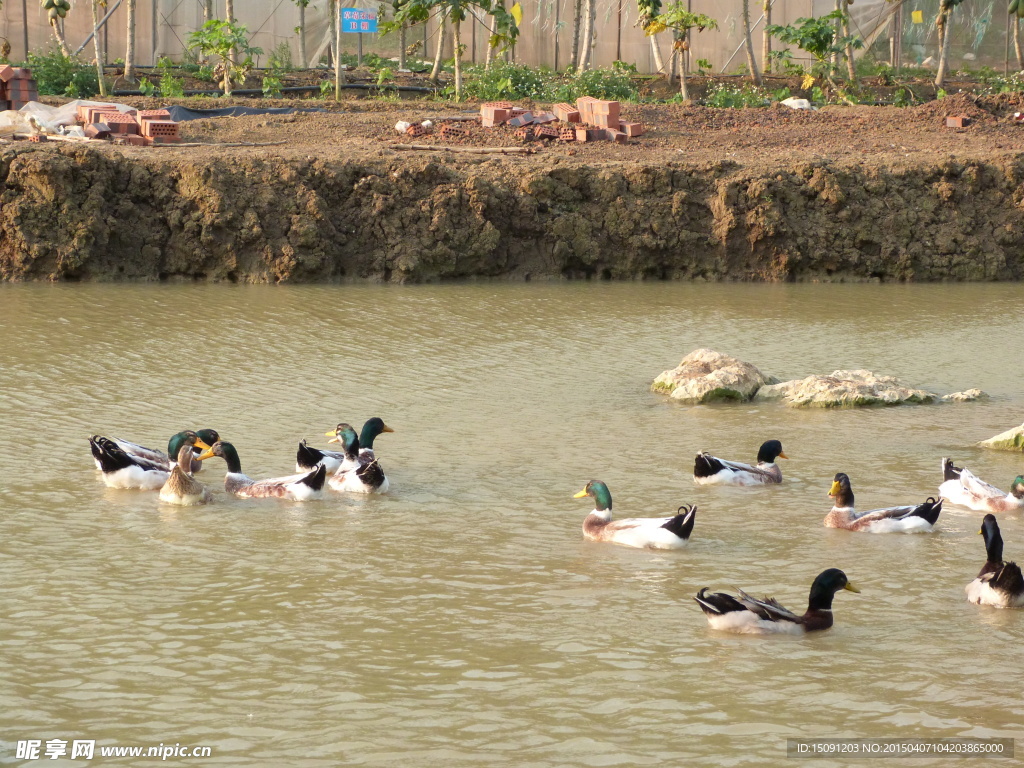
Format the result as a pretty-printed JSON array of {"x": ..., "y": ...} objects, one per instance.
[
  {"x": 850, "y": 71},
  {"x": 766, "y": 38},
  {"x": 129, "y": 52},
  {"x": 942, "y": 25},
  {"x": 302, "y": 31},
  {"x": 1016, "y": 42},
  {"x": 587, "y": 35},
  {"x": 229, "y": 15},
  {"x": 749, "y": 44},
  {"x": 96, "y": 44},
  {"x": 577, "y": 22},
  {"x": 442, "y": 36}
]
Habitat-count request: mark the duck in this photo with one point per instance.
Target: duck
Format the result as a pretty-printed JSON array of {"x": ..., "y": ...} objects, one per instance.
[
  {"x": 181, "y": 488},
  {"x": 301, "y": 487},
  {"x": 307, "y": 458},
  {"x": 360, "y": 472},
  {"x": 155, "y": 455},
  {"x": 908, "y": 519},
  {"x": 639, "y": 532},
  {"x": 749, "y": 616},
  {"x": 710, "y": 470},
  {"x": 999, "y": 584},
  {"x": 963, "y": 488},
  {"x": 121, "y": 469}
]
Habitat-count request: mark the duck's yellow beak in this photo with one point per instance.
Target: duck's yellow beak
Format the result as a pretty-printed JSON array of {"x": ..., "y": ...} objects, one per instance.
[
  {"x": 201, "y": 445},
  {"x": 834, "y": 491},
  {"x": 979, "y": 531},
  {"x": 332, "y": 433},
  {"x": 388, "y": 429},
  {"x": 334, "y": 439},
  {"x": 849, "y": 586},
  {"x": 783, "y": 456},
  {"x": 208, "y": 453},
  {"x": 581, "y": 494}
]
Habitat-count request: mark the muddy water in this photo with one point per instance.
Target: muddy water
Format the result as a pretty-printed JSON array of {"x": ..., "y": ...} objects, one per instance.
[{"x": 461, "y": 619}]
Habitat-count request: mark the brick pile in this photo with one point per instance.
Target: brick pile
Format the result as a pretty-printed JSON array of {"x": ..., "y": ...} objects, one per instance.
[
  {"x": 589, "y": 120},
  {"x": 141, "y": 128},
  {"x": 17, "y": 87}
]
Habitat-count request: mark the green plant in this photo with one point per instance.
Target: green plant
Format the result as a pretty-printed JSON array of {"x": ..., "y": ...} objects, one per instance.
[
  {"x": 504, "y": 80},
  {"x": 614, "y": 83},
  {"x": 899, "y": 98},
  {"x": 384, "y": 74},
  {"x": 818, "y": 37},
  {"x": 221, "y": 38},
  {"x": 60, "y": 75},
  {"x": 280, "y": 59},
  {"x": 271, "y": 87},
  {"x": 204, "y": 72},
  {"x": 326, "y": 89},
  {"x": 680, "y": 20},
  {"x": 729, "y": 96},
  {"x": 171, "y": 87},
  {"x": 146, "y": 87},
  {"x": 704, "y": 67}
]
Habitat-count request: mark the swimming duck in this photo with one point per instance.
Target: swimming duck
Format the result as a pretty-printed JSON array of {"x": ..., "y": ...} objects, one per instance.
[
  {"x": 123, "y": 470},
  {"x": 907, "y": 519},
  {"x": 301, "y": 487},
  {"x": 963, "y": 488},
  {"x": 309, "y": 458},
  {"x": 181, "y": 488},
  {"x": 747, "y": 615},
  {"x": 360, "y": 472},
  {"x": 999, "y": 584},
  {"x": 640, "y": 532},
  {"x": 158, "y": 457},
  {"x": 710, "y": 470}
]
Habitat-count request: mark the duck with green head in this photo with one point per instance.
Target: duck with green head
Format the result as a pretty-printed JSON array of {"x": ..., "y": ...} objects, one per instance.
[
  {"x": 912, "y": 518},
  {"x": 746, "y": 615},
  {"x": 181, "y": 488},
  {"x": 309, "y": 458},
  {"x": 122, "y": 469},
  {"x": 965, "y": 489},
  {"x": 710, "y": 470},
  {"x": 999, "y": 583},
  {"x": 359, "y": 472},
  {"x": 640, "y": 532},
  {"x": 301, "y": 487}
]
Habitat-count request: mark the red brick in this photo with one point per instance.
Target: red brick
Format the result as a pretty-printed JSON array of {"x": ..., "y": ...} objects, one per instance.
[
  {"x": 37, "y": 138},
  {"x": 500, "y": 105},
  {"x": 567, "y": 134},
  {"x": 567, "y": 113},
  {"x": 617, "y": 136},
  {"x": 544, "y": 118},
  {"x": 415, "y": 130},
  {"x": 6, "y": 72},
  {"x": 492, "y": 116},
  {"x": 520, "y": 120},
  {"x": 517, "y": 111},
  {"x": 958, "y": 121},
  {"x": 631, "y": 129},
  {"x": 153, "y": 114},
  {"x": 22, "y": 73},
  {"x": 97, "y": 130},
  {"x": 525, "y": 133},
  {"x": 545, "y": 132}
]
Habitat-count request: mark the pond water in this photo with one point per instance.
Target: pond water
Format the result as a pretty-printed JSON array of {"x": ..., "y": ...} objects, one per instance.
[{"x": 461, "y": 619}]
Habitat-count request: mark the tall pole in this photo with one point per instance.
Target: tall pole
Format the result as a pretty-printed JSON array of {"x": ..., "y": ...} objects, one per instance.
[{"x": 24, "y": 26}]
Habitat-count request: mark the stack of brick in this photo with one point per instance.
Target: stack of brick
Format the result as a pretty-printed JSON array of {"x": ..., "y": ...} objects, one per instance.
[
  {"x": 137, "y": 127},
  {"x": 17, "y": 87},
  {"x": 590, "y": 120}
]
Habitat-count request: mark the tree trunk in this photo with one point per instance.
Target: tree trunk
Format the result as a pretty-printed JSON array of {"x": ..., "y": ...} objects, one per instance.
[
  {"x": 59, "y": 34},
  {"x": 680, "y": 54},
  {"x": 442, "y": 32},
  {"x": 834, "y": 58},
  {"x": 659, "y": 63},
  {"x": 749, "y": 44},
  {"x": 402, "y": 63},
  {"x": 850, "y": 71},
  {"x": 302, "y": 37},
  {"x": 96, "y": 46},
  {"x": 942, "y": 24},
  {"x": 766, "y": 39},
  {"x": 339, "y": 75},
  {"x": 577, "y": 21},
  {"x": 456, "y": 42},
  {"x": 229, "y": 13},
  {"x": 587, "y": 35},
  {"x": 129, "y": 52},
  {"x": 1016, "y": 42},
  {"x": 207, "y": 10}
]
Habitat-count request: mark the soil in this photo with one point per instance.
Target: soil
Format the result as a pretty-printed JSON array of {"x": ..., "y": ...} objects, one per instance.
[{"x": 841, "y": 193}]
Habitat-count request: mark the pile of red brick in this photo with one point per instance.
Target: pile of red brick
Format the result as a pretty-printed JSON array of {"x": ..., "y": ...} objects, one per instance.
[
  {"x": 143, "y": 127},
  {"x": 17, "y": 87},
  {"x": 590, "y": 120}
]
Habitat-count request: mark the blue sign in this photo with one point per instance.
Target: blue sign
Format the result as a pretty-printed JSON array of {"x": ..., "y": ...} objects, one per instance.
[{"x": 358, "y": 20}]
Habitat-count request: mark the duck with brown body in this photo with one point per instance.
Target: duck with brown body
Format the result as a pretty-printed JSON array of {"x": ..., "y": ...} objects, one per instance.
[
  {"x": 917, "y": 518},
  {"x": 640, "y": 532},
  {"x": 747, "y": 615},
  {"x": 122, "y": 469},
  {"x": 965, "y": 489},
  {"x": 301, "y": 487},
  {"x": 999, "y": 583},
  {"x": 181, "y": 488}
]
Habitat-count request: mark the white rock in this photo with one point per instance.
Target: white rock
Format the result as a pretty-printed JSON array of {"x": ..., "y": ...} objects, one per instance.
[
  {"x": 844, "y": 389},
  {"x": 401, "y": 126},
  {"x": 705, "y": 375},
  {"x": 794, "y": 103},
  {"x": 967, "y": 396},
  {"x": 428, "y": 125},
  {"x": 1010, "y": 440}
]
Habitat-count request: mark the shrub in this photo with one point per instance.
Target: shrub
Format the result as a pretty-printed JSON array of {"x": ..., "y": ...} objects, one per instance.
[
  {"x": 57, "y": 75},
  {"x": 504, "y": 80},
  {"x": 726, "y": 95}
]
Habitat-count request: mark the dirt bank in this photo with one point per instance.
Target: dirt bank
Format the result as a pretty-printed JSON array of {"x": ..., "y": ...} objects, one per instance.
[{"x": 757, "y": 194}]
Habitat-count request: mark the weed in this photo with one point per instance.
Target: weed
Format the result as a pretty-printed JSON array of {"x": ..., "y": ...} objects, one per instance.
[
  {"x": 280, "y": 59},
  {"x": 271, "y": 87},
  {"x": 57, "y": 75},
  {"x": 171, "y": 87},
  {"x": 146, "y": 87},
  {"x": 729, "y": 96}
]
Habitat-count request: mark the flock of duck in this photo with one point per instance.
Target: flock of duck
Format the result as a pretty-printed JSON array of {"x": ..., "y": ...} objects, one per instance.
[
  {"x": 999, "y": 583},
  {"x": 355, "y": 469}
]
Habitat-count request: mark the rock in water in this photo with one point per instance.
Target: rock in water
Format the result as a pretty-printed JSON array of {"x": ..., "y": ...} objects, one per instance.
[
  {"x": 705, "y": 376},
  {"x": 844, "y": 389},
  {"x": 967, "y": 396},
  {"x": 1010, "y": 440}
]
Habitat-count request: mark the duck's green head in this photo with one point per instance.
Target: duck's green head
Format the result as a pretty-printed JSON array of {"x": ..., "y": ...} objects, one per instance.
[
  {"x": 600, "y": 493},
  {"x": 1017, "y": 489},
  {"x": 770, "y": 451},
  {"x": 208, "y": 436},
  {"x": 344, "y": 434},
  {"x": 225, "y": 451},
  {"x": 841, "y": 490},
  {"x": 186, "y": 438},
  {"x": 993, "y": 539},
  {"x": 825, "y": 587},
  {"x": 371, "y": 429}
]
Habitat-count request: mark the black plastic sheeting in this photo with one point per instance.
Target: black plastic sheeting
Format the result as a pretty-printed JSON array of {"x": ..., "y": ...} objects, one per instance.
[{"x": 181, "y": 114}]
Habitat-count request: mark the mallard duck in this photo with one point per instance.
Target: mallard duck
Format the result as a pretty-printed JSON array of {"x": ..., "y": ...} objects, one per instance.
[
  {"x": 710, "y": 470},
  {"x": 309, "y": 458},
  {"x": 747, "y": 615},
  {"x": 963, "y": 488},
  {"x": 640, "y": 532},
  {"x": 124, "y": 470},
  {"x": 158, "y": 457},
  {"x": 908, "y": 519},
  {"x": 300, "y": 487},
  {"x": 360, "y": 472},
  {"x": 999, "y": 584},
  {"x": 181, "y": 488}
]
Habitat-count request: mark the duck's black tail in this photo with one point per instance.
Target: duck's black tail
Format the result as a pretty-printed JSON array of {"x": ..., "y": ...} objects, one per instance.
[
  {"x": 949, "y": 472},
  {"x": 682, "y": 524},
  {"x": 929, "y": 510},
  {"x": 706, "y": 465},
  {"x": 306, "y": 457},
  {"x": 108, "y": 454},
  {"x": 718, "y": 603},
  {"x": 316, "y": 478},
  {"x": 1009, "y": 579}
]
